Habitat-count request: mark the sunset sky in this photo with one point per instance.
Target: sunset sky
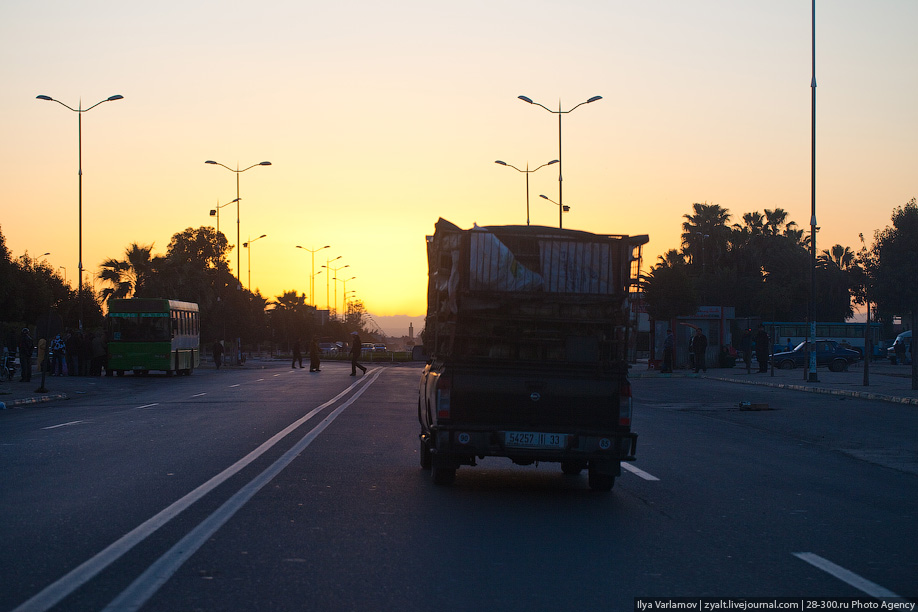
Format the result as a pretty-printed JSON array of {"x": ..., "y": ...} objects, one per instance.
[{"x": 381, "y": 117}]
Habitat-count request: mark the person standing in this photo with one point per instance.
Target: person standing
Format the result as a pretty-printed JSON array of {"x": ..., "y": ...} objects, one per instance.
[
  {"x": 217, "y": 350},
  {"x": 99, "y": 352},
  {"x": 57, "y": 356},
  {"x": 355, "y": 354},
  {"x": 761, "y": 348},
  {"x": 669, "y": 346},
  {"x": 314, "y": 354},
  {"x": 25, "y": 355},
  {"x": 297, "y": 355},
  {"x": 699, "y": 348},
  {"x": 746, "y": 348}
]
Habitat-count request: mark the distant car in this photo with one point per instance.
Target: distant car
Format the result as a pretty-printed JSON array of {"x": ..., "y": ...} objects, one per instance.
[
  {"x": 328, "y": 349},
  {"x": 379, "y": 347},
  {"x": 366, "y": 347},
  {"x": 828, "y": 353},
  {"x": 901, "y": 349}
]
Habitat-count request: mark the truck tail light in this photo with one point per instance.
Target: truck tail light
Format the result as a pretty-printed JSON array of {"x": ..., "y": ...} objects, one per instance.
[
  {"x": 444, "y": 385},
  {"x": 624, "y": 405}
]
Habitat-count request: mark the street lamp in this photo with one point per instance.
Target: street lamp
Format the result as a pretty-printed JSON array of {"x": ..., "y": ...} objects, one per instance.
[
  {"x": 563, "y": 209},
  {"x": 334, "y": 277},
  {"x": 527, "y": 171},
  {"x": 246, "y": 245},
  {"x": 560, "y": 112},
  {"x": 238, "y": 172},
  {"x": 215, "y": 212},
  {"x": 312, "y": 276},
  {"x": 65, "y": 272},
  {"x": 79, "y": 110},
  {"x": 343, "y": 281},
  {"x": 811, "y": 335}
]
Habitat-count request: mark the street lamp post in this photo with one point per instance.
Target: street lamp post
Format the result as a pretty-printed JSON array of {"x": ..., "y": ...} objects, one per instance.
[
  {"x": 238, "y": 172},
  {"x": 563, "y": 209},
  {"x": 811, "y": 336},
  {"x": 312, "y": 275},
  {"x": 215, "y": 212},
  {"x": 79, "y": 110},
  {"x": 527, "y": 171},
  {"x": 333, "y": 275},
  {"x": 65, "y": 272},
  {"x": 343, "y": 282},
  {"x": 247, "y": 245},
  {"x": 560, "y": 112}
]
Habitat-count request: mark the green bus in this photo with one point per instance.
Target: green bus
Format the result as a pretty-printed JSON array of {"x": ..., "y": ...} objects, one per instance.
[{"x": 147, "y": 334}]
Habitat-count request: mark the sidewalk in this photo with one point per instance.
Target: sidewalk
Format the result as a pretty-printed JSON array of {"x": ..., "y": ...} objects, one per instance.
[{"x": 888, "y": 383}]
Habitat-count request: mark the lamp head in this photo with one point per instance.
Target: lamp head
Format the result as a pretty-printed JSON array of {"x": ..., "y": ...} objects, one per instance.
[
  {"x": 115, "y": 97},
  {"x": 265, "y": 163},
  {"x": 213, "y": 212},
  {"x": 525, "y": 99},
  {"x": 209, "y": 161},
  {"x": 594, "y": 98},
  {"x": 44, "y": 98},
  {"x": 566, "y": 208},
  {"x": 544, "y": 196},
  {"x": 554, "y": 161},
  {"x": 500, "y": 162}
]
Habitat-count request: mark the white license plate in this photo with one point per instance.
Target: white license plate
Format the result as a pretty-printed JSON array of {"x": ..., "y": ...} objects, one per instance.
[{"x": 534, "y": 439}]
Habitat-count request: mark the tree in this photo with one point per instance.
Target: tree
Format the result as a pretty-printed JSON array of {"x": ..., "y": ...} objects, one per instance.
[
  {"x": 705, "y": 233},
  {"x": 128, "y": 276},
  {"x": 895, "y": 268},
  {"x": 669, "y": 293}
]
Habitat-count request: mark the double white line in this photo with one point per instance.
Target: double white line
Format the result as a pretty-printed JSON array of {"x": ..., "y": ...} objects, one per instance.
[{"x": 160, "y": 571}]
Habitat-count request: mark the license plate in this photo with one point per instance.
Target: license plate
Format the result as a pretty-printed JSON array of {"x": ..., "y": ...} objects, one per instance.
[{"x": 534, "y": 439}]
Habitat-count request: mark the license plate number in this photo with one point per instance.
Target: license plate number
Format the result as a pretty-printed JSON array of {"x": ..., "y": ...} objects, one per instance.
[{"x": 534, "y": 439}]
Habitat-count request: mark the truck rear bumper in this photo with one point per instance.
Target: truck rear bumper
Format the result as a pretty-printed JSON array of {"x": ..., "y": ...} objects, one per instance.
[{"x": 460, "y": 446}]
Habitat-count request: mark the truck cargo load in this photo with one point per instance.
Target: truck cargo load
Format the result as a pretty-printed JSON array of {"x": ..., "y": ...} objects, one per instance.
[{"x": 526, "y": 337}]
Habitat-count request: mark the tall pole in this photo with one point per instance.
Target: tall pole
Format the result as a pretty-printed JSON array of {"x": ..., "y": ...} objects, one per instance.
[
  {"x": 79, "y": 110},
  {"x": 312, "y": 275},
  {"x": 527, "y": 172},
  {"x": 238, "y": 238},
  {"x": 811, "y": 344},
  {"x": 248, "y": 245}
]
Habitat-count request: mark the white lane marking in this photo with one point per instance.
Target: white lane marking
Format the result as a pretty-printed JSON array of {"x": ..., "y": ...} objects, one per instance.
[
  {"x": 638, "y": 472},
  {"x": 86, "y": 571},
  {"x": 236, "y": 385},
  {"x": 63, "y": 424},
  {"x": 858, "y": 582},
  {"x": 147, "y": 406},
  {"x": 259, "y": 380},
  {"x": 198, "y": 394},
  {"x": 146, "y": 585}
]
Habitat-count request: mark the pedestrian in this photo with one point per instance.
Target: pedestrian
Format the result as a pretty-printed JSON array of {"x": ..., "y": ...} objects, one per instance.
[
  {"x": 217, "y": 350},
  {"x": 669, "y": 346},
  {"x": 746, "y": 348},
  {"x": 762, "y": 343},
  {"x": 72, "y": 348},
  {"x": 314, "y": 354},
  {"x": 99, "y": 351},
  {"x": 355, "y": 354},
  {"x": 25, "y": 355},
  {"x": 699, "y": 348},
  {"x": 57, "y": 356},
  {"x": 297, "y": 355}
]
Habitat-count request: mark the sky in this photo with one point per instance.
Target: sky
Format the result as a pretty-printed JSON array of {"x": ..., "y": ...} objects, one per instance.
[{"x": 380, "y": 118}]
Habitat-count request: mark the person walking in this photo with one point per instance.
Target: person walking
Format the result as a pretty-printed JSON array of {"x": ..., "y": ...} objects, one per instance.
[
  {"x": 25, "y": 355},
  {"x": 57, "y": 356},
  {"x": 297, "y": 354},
  {"x": 217, "y": 350},
  {"x": 669, "y": 346},
  {"x": 699, "y": 348},
  {"x": 314, "y": 354},
  {"x": 355, "y": 354},
  {"x": 761, "y": 348}
]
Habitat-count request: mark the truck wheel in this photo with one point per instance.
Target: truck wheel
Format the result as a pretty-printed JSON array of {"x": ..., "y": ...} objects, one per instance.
[
  {"x": 425, "y": 455},
  {"x": 601, "y": 482},
  {"x": 442, "y": 475},
  {"x": 572, "y": 468}
]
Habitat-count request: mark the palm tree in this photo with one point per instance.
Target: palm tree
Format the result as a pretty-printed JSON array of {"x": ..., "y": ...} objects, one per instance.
[
  {"x": 705, "y": 230},
  {"x": 127, "y": 276},
  {"x": 841, "y": 256},
  {"x": 774, "y": 220}
]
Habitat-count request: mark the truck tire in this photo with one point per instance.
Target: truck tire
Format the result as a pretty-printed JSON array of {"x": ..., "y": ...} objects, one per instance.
[
  {"x": 572, "y": 468},
  {"x": 601, "y": 482},
  {"x": 442, "y": 475},
  {"x": 425, "y": 455}
]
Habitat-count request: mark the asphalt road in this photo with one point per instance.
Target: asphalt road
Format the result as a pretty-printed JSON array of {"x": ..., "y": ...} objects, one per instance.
[{"x": 219, "y": 491}]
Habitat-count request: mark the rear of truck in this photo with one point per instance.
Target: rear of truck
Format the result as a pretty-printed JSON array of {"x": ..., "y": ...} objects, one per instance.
[{"x": 526, "y": 330}]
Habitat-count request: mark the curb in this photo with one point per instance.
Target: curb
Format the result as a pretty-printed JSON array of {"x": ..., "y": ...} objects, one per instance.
[
  {"x": 33, "y": 400},
  {"x": 858, "y": 394}
]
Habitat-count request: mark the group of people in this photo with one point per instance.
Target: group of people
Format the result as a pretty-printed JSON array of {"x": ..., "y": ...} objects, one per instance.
[
  {"x": 73, "y": 353},
  {"x": 315, "y": 354},
  {"x": 698, "y": 347}
]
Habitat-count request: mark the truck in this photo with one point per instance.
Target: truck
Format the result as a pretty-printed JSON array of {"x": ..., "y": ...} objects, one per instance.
[{"x": 526, "y": 340}]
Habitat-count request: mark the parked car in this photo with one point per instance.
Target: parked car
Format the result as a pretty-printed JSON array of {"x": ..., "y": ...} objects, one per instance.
[
  {"x": 366, "y": 347},
  {"x": 328, "y": 349},
  {"x": 901, "y": 349},
  {"x": 379, "y": 348},
  {"x": 828, "y": 353}
]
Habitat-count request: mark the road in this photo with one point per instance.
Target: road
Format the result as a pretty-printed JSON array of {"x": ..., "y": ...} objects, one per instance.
[{"x": 277, "y": 489}]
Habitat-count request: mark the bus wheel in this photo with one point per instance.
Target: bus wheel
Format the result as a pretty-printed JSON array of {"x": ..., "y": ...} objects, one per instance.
[{"x": 120, "y": 372}]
